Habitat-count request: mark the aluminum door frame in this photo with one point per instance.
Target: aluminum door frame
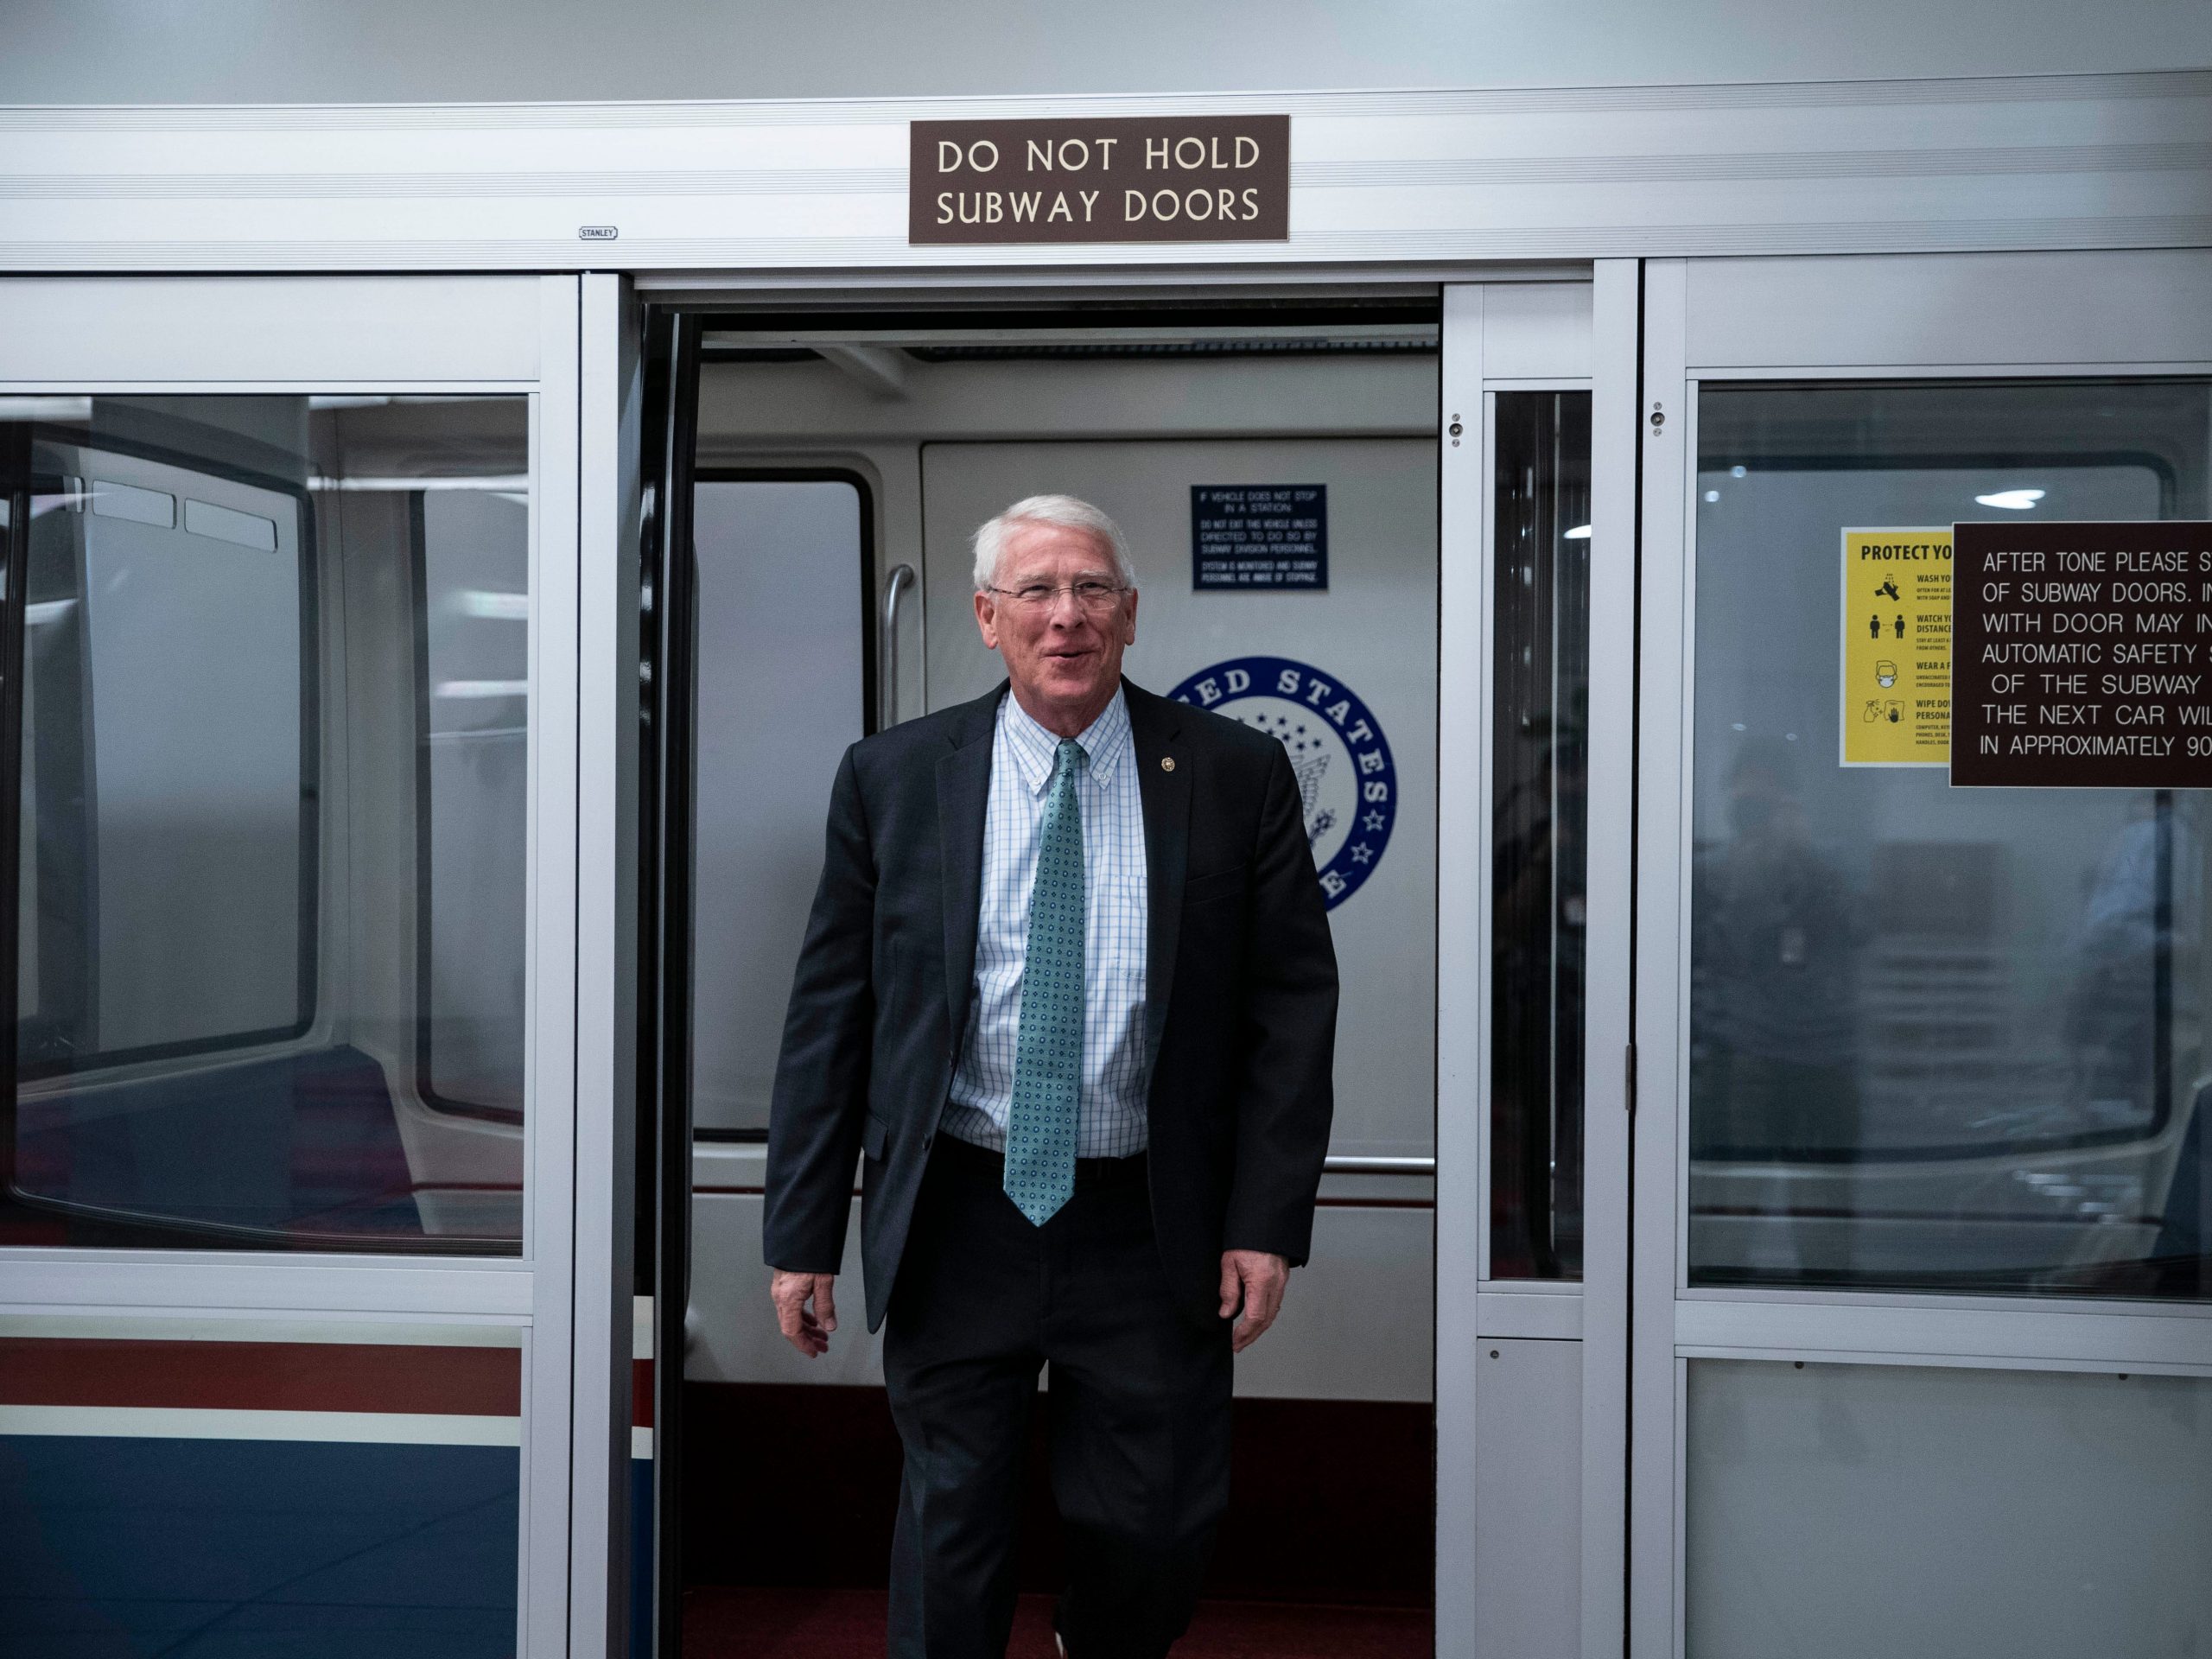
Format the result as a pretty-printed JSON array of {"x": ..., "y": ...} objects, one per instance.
[
  {"x": 605, "y": 623},
  {"x": 1607, "y": 364},
  {"x": 1495, "y": 340},
  {"x": 553, "y": 339},
  {"x": 1894, "y": 317}
]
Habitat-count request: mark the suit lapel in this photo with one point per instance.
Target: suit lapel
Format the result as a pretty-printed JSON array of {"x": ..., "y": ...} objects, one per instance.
[
  {"x": 963, "y": 793},
  {"x": 1155, "y": 725}
]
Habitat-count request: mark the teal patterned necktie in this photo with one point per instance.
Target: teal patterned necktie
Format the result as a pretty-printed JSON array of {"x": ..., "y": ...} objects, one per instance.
[{"x": 1048, "y": 1041}]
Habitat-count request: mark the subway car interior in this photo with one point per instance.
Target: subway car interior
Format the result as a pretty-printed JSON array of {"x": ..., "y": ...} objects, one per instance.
[
  {"x": 1728, "y": 563},
  {"x": 842, "y": 464}
]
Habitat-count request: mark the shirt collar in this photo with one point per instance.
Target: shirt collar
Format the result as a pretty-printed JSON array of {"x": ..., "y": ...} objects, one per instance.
[{"x": 1104, "y": 741}]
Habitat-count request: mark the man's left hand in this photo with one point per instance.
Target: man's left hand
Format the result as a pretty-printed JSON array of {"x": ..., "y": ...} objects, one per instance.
[{"x": 1254, "y": 1281}]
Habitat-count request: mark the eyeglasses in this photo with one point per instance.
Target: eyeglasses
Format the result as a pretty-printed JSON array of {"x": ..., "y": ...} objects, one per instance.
[{"x": 1091, "y": 594}]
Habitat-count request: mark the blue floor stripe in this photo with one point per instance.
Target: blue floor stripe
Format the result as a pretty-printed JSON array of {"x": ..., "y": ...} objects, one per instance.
[{"x": 124, "y": 1549}]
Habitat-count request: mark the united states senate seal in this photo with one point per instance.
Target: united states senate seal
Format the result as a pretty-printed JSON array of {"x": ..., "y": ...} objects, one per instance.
[{"x": 1347, "y": 779}]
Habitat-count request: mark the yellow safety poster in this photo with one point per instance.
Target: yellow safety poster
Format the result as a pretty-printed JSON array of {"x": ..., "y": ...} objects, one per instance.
[{"x": 1896, "y": 647}]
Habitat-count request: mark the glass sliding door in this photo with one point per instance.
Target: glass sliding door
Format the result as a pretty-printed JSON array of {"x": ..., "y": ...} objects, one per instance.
[
  {"x": 286, "y": 1207},
  {"x": 1535, "y": 704},
  {"x": 1939, "y": 1038},
  {"x": 1925, "y": 1292}
]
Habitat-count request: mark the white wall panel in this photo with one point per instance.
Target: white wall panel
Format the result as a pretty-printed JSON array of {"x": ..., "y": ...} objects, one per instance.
[
  {"x": 1355, "y": 1322},
  {"x": 731, "y": 1334},
  {"x": 2059, "y": 310},
  {"x": 333, "y": 331},
  {"x": 1527, "y": 1583},
  {"x": 1374, "y": 629},
  {"x": 1537, "y": 331}
]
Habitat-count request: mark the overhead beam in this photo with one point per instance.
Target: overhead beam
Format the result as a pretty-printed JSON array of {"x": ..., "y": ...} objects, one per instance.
[{"x": 881, "y": 371}]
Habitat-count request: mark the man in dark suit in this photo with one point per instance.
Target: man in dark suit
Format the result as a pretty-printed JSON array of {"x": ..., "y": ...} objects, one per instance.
[{"x": 1068, "y": 988}]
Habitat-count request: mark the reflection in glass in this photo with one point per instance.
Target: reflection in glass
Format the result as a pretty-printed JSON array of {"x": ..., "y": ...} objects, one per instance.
[
  {"x": 269, "y": 970},
  {"x": 1945, "y": 1038},
  {"x": 1540, "y": 729},
  {"x": 472, "y": 576}
]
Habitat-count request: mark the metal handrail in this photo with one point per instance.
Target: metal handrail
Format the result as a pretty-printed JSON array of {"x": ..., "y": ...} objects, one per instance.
[
  {"x": 902, "y": 577},
  {"x": 1336, "y": 1166},
  {"x": 1331, "y": 1166}
]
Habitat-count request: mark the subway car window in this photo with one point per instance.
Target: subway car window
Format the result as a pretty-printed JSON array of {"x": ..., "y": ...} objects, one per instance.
[
  {"x": 1539, "y": 785},
  {"x": 270, "y": 737},
  {"x": 1944, "y": 1038},
  {"x": 782, "y": 595},
  {"x": 172, "y": 882}
]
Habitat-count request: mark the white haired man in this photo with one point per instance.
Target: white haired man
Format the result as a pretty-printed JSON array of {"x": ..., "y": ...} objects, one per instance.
[{"x": 1068, "y": 990}]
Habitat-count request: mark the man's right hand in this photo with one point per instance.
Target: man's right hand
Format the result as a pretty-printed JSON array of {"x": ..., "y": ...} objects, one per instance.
[{"x": 806, "y": 1329}]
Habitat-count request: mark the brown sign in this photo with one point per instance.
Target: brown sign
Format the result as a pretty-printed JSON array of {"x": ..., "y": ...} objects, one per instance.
[
  {"x": 1200, "y": 178},
  {"x": 2081, "y": 656}
]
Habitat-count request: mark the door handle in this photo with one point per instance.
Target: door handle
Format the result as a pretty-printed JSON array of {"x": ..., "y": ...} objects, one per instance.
[{"x": 895, "y": 587}]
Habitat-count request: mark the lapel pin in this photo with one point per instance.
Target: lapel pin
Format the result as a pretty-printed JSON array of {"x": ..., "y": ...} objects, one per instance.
[{"x": 1167, "y": 763}]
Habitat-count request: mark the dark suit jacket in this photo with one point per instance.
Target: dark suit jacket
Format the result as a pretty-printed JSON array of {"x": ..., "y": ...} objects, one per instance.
[{"x": 1240, "y": 990}]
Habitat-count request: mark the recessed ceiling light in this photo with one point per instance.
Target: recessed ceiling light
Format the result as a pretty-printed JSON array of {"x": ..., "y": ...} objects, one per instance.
[
  {"x": 2010, "y": 500},
  {"x": 1712, "y": 495},
  {"x": 45, "y": 409},
  {"x": 1580, "y": 533}
]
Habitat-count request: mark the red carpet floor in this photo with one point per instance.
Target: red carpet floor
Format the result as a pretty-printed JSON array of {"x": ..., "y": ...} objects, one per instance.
[{"x": 728, "y": 1622}]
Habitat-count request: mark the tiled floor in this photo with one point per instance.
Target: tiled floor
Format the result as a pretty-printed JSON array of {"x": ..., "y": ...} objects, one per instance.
[{"x": 725, "y": 1623}]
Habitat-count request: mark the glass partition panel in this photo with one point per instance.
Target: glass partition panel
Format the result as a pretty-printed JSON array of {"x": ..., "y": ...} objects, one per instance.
[
  {"x": 272, "y": 681},
  {"x": 1539, "y": 749},
  {"x": 1944, "y": 1038}
]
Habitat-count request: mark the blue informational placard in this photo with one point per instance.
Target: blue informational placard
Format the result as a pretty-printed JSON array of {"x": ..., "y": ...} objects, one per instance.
[{"x": 1247, "y": 536}]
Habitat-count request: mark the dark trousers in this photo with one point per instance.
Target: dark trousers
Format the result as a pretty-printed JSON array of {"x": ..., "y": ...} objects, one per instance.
[{"x": 1139, "y": 1412}]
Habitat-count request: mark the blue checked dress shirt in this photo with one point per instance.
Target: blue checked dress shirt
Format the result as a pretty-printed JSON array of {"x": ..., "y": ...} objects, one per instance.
[{"x": 1110, "y": 1115}]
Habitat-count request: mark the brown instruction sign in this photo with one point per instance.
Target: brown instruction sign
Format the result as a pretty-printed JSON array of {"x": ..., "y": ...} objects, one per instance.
[
  {"x": 2081, "y": 656},
  {"x": 1200, "y": 178}
]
